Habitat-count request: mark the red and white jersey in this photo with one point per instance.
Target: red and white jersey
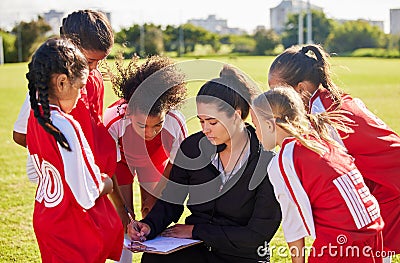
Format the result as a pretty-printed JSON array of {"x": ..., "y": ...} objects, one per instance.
[
  {"x": 87, "y": 112},
  {"x": 322, "y": 197},
  {"x": 68, "y": 195},
  {"x": 93, "y": 93},
  {"x": 375, "y": 147},
  {"x": 147, "y": 158}
]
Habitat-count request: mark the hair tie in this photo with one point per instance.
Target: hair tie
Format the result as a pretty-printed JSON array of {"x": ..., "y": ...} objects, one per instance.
[{"x": 304, "y": 50}]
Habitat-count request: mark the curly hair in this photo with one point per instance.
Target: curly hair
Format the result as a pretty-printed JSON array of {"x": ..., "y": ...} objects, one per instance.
[{"x": 151, "y": 87}]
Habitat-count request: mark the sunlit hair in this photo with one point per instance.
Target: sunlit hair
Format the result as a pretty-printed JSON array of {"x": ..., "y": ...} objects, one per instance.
[
  {"x": 232, "y": 91},
  {"x": 285, "y": 107},
  {"x": 55, "y": 56},
  {"x": 151, "y": 87},
  {"x": 307, "y": 63},
  {"x": 88, "y": 29}
]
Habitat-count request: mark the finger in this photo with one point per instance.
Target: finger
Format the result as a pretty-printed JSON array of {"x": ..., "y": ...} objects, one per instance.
[
  {"x": 164, "y": 235},
  {"x": 137, "y": 248}
]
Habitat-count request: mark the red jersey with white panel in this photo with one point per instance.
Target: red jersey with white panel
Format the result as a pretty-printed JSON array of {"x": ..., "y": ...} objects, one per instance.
[
  {"x": 93, "y": 93},
  {"x": 376, "y": 149},
  {"x": 88, "y": 112},
  {"x": 72, "y": 222},
  {"x": 324, "y": 197},
  {"x": 146, "y": 158}
]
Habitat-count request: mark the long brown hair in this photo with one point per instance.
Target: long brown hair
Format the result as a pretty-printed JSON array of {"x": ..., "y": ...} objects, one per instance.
[
  {"x": 285, "y": 106},
  {"x": 307, "y": 63}
]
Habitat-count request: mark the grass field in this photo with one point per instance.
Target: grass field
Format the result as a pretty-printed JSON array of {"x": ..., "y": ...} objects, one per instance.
[{"x": 375, "y": 81}]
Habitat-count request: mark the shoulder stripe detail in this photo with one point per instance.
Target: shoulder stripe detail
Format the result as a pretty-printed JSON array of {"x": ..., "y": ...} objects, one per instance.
[
  {"x": 286, "y": 179},
  {"x": 359, "y": 201},
  {"x": 90, "y": 169},
  {"x": 119, "y": 117},
  {"x": 181, "y": 125}
]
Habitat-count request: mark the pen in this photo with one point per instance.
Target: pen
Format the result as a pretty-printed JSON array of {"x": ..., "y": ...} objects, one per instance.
[
  {"x": 129, "y": 214},
  {"x": 133, "y": 221}
]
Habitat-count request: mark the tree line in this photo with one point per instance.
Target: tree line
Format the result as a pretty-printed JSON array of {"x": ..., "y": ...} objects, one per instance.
[{"x": 346, "y": 38}]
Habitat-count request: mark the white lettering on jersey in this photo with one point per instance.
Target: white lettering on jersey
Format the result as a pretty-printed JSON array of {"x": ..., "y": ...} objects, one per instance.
[
  {"x": 362, "y": 205},
  {"x": 50, "y": 188}
]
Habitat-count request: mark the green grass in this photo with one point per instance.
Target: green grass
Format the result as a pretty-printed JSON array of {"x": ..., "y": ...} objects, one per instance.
[{"x": 375, "y": 81}]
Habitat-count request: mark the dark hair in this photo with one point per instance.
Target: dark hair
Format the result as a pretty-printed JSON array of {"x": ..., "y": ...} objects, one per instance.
[
  {"x": 88, "y": 29},
  {"x": 55, "y": 56},
  {"x": 296, "y": 64},
  {"x": 231, "y": 91},
  {"x": 152, "y": 87}
]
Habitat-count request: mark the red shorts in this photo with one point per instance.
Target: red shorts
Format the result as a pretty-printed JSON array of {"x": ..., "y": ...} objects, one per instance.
[
  {"x": 391, "y": 231},
  {"x": 364, "y": 251}
]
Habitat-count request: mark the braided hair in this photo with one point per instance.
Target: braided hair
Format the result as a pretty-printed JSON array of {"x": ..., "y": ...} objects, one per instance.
[
  {"x": 307, "y": 63},
  {"x": 55, "y": 56},
  {"x": 88, "y": 29}
]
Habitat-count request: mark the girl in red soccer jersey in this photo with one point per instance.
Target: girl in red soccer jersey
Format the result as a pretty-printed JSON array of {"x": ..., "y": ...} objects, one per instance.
[
  {"x": 320, "y": 190},
  {"x": 146, "y": 125},
  {"x": 91, "y": 31},
  {"x": 73, "y": 219},
  {"x": 375, "y": 147}
]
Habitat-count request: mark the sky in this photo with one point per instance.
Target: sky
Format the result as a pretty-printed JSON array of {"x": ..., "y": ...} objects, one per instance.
[{"x": 246, "y": 15}]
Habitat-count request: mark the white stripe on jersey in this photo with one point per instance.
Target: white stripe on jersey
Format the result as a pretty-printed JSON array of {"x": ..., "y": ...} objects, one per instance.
[
  {"x": 318, "y": 107},
  {"x": 82, "y": 177},
  {"x": 294, "y": 225},
  {"x": 174, "y": 123},
  {"x": 362, "y": 205},
  {"x": 21, "y": 124},
  {"x": 31, "y": 169}
]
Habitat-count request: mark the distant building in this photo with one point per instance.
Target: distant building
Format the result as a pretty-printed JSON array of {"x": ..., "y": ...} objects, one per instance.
[
  {"x": 395, "y": 21},
  {"x": 219, "y": 26},
  {"x": 259, "y": 28},
  {"x": 279, "y": 14},
  {"x": 379, "y": 24},
  {"x": 54, "y": 19}
]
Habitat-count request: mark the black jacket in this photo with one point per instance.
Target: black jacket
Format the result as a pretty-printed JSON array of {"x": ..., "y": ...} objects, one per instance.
[{"x": 233, "y": 223}]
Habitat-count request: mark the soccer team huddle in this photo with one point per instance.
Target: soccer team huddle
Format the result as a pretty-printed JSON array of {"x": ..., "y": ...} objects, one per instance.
[{"x": 302, "y": 163}]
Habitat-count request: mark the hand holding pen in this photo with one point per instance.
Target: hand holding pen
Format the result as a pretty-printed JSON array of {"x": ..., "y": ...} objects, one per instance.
[{"x": 138, "y": 231}]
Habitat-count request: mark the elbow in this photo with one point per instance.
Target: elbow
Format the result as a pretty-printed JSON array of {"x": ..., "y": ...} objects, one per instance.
[{"x": 19, "y": 138}]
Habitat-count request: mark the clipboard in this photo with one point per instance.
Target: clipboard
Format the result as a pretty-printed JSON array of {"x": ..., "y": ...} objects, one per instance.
[{"x": 162, "y": 245}]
